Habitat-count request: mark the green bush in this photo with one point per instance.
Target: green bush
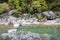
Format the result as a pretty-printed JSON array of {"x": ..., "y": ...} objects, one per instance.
[
  {"x": 54, "y": 5},
  {"x": 58, "y": 14},
  {"x": 23, "y": 5},
  {"x": 30, "y": 9},
  {"x": 40, "y": 5},
  {"x": 38, "y": 16},
  {"x": 16, "y": 13},
  {"x": 3, "y": 8},
  {"x": 14, "y": 3}
]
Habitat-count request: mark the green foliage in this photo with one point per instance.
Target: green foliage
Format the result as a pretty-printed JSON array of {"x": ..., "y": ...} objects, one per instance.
[
  {"x": 23, "y": 5},
  {"x": 3, "y": 8},
  {"x": 30, "y": 9},
  {"x": 54, "y": 4},
  {"x": 16, "y": 13},
  {"x": 14, "y": 3},
  {"x": 58, "y": 14},
  {"x": 38, "y": 16},
  {"x": 18, "y": 4},
  {"x": 40, "y": 5},
  {"x": 45, "y": 18}
]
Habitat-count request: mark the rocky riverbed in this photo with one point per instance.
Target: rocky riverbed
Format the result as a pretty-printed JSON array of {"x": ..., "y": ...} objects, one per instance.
[
  {"x": 26, "y": 19},
  {"x": 26, "y": 35}
]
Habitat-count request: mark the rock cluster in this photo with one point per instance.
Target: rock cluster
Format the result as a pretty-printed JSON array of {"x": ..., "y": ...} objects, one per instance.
[
  {"x": 24, "y": 35},
  {"x": 18, "y": 21},
  {"x": 27, "y": 19}
]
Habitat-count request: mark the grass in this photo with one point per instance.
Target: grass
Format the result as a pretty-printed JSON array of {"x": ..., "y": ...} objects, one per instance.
[{"x": 53, "y": 30}]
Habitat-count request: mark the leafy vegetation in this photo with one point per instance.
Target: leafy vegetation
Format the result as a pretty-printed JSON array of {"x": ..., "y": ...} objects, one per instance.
[
  {"x": 16, "y": 13},
  {"x": 3, "y": 8},
  {"x": 53, "y": 5},
  {"x": 14, "y": 3},
  {"x": 40, "y": 5},
  {"x": 30, "y": 6},
  {"x": 24, "y": 6}
]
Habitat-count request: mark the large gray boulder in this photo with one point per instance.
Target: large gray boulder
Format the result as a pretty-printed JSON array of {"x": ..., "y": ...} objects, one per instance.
[{"x": 49, "y": 14}]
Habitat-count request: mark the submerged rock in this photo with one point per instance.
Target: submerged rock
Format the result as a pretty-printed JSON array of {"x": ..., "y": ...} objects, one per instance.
[
  {"x": 12, "y": 30},
  {"x": 24, "y": 35},
  {"x": 5, "y": 36}
]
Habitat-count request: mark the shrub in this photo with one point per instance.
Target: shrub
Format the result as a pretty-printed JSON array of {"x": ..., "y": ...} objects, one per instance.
[
  {"x": 3, "y": 8},
  {"x": 30, "y": 9},
  {"x": 38, "y": 16},
  {"x": 53, "y": 6},
  {"x": 16, "y": 13},
  {"x": 14, "y": 3},
  {"x": 58, "y": 14},
  {"x": 40, "y": 5},
  {"x": 24, "y": 6}
]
